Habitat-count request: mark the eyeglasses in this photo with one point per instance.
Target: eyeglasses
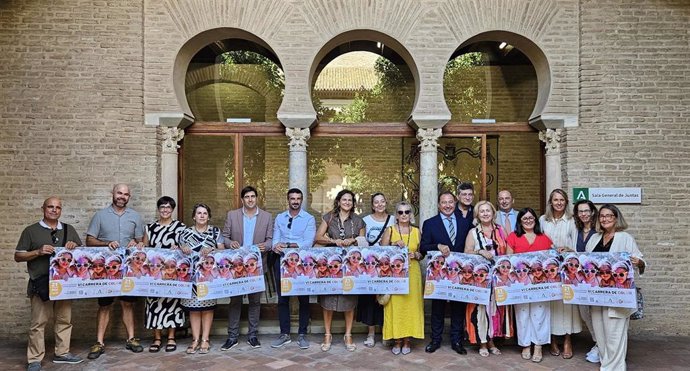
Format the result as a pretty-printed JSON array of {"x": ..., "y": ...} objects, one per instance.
[
  {"x": 85, "y": 265},
  {"x": 620, "y": 275},
  {"x": 584, "y": 211},
  {"x": 225, "y": 266},
  {"x": 605, "y": 272},
  {"x": 406, "y": 212},
  {"x": 99, "y": 265},
  {"x": 334, "y": 266},
  {"x": 289, "y": 226},
  {"x": 397, "y": 266},
  {"x": 182, "y": 269},
  {"x": 528, "y": 219},
  {"x": 66, "y": 260},
  {"x": 370, "y": 264},
  {"x": 523, "y": 270},
  {"x": 250, "y": 265},
  {"x": 53, "y": 236},
  {"x": 590, "y": 271},
  {"x": 607, "y": 216},
  {"x": 574, "y": 265},
  {"x": 480, "y": 275},
  {"x": 165, "y": 207}
]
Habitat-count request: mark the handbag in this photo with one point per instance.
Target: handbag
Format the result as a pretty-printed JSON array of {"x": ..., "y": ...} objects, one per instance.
[
  {"x": 639, "y": 314},
  {"x": 383, "y": 299}
]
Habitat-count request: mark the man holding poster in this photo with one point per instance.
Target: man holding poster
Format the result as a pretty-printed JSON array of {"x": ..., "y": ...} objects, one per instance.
[
  {"x": 446, "y": 232},
  {"x": 246, "y": 226},
  {"x": 294, "y": 228},
  {"x": 36, "y": 244}
]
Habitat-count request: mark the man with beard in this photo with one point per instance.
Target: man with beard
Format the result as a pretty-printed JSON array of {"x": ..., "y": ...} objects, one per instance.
[
  {"x": 246, "y": 226},
  {"x": 36, "y": 245},
  {"x": 116, "y": 226},
  {"x": 294, "y": 228}
]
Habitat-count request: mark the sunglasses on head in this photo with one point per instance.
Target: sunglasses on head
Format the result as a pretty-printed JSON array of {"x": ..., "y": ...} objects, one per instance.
[{"x": 406, "y": 212}]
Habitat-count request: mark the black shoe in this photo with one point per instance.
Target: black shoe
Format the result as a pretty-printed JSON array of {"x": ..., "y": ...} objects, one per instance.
[
  {"x": 229, "y": 344},
  {"x": 254, "y": 343},
  {"x": 432, "y": 347},
  {"x": 458, "y": 348}
]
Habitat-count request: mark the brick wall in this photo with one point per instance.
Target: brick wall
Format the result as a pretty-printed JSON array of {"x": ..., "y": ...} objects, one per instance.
[
  {"x": 71, "y": 115},
  {"x": 635, "y": 132}
]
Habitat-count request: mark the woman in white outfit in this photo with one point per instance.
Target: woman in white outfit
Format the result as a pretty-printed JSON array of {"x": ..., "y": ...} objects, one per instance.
[
  {"x": 558, "y": 224},
  {"x": 611, "y": 324}
]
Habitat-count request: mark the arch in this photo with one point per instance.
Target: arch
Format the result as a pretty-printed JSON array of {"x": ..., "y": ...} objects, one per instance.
[
  {"x": 362, "y": 40},
  {"x": 196, "y": 43},
  {"x": 533, "y": 52}
]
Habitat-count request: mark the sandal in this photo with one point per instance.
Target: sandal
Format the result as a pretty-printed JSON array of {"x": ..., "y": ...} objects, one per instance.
[
  {"x": 554, "y": 350},
  {"x": 526, "y": 353},
  {"x": 537, "y": 356},
  {"x": 349, "y": 344},
  {"x": 204, "y": 349},
  {"x": 370, "y": 341},
  {"x": 495, "y": 351},
  {"x": 155, "y": 346},
  {"x": 326, "y": 345},
  {"x": 483, "y": 352},
  {"x": 194, "y": 347},
  {"x": 567, "y": 350},
  {"x": 405, "y": 350},
  {"x": 396, "y": 348},
  {"x": 171, "y": 346}
]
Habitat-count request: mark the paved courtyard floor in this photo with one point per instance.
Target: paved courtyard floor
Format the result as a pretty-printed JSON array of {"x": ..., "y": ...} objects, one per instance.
[{"x": 644, "y": 353}]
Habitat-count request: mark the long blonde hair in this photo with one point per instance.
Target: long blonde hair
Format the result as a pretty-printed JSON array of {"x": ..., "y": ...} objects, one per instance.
[{"x": 567, "y": 214}]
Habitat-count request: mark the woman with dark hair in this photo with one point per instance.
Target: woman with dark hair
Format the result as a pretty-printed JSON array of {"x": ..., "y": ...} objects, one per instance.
[
  {"x": 533, "y": 319},
  {"x": 557, "y": 223},
  {"x": 611, "y": 323},
  {"x": 163, "y": 313},
  {"x": 585, "y": 214},
  {"x": 201, "y": 238},
  {"x": 340, "y": 227}
]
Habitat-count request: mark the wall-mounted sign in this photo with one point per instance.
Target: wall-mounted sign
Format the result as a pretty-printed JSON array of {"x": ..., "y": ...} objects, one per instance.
[{"x": 609, "y": 195}]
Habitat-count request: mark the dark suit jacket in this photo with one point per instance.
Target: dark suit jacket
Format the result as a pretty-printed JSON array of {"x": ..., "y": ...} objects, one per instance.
[
  {"x": 434, "y": 233},
  {"x": 234, "y": 228}
]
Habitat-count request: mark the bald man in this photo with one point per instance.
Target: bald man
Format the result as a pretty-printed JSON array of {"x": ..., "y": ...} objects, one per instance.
[
  {"x": 36, "y": 244},
  {"x": 116, "y": 226}
]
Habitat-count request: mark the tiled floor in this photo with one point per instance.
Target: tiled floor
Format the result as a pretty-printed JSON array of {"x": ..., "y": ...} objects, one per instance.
[{"x": 644, "y": 353}]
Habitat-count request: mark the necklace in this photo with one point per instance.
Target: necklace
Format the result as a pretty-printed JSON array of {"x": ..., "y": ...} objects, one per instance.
[
  {"x": 201, "y": 232},
  {"x": 341, "y": 227},
  {"x": 407, "y": 244}
]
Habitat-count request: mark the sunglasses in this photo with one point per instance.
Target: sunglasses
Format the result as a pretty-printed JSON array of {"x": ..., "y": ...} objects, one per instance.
[
  {"x": 250, "y": 265},
  {"x": 341, "y": 233},
  {"x": 504, "y": 266},
  {"x": 159, "y": 266},
  {"x": 289, "y": 225},
  {"x": 309, "y": 264},
  {"x": 480, "y": 275},
  {"x": 85, "y": 265},
  {"x": 384, "y": 264},
  {"x": 406, "y": 212},
  {"x": 456, "y": 269},
  {"x": 574, "y": 265},
  {"x": 53, "y": 236},
  {"x": 112, "y": 267},
  {"x": 620, "y": 275},
  {"x": 139, "y": 259},
  {"x": 439, "y": 263},
  {"x": 397, "y": 266},
  {"x": 170, "y": 266},
  {"x": 66, "y": 260},
  {"x": 294, "y": 260},
  {"x": 334, "y": 266},
  {"x": 552, "y": 270},
  {"x": 523, "y": 270},
  {"x": 355, "y": 258},
  {"x": 467, "y": 272},
  {"x": 370, "y": 264},
  {"x": 592, "y": 271},
  {"x": 605, "y": 272},
  {"x": 182, "y": 269},
  {"x": 99, "y": 265},
  {"x": 322, "y": 265},
  {"x": 537, "y": 270},
  {"x": 225, "y": 266},
  {"x": 208, "y": 263}
]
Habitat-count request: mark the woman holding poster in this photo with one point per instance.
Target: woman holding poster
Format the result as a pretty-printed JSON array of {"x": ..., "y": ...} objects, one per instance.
[
  {"x": 403, "y": 316},
  {"x": 339, "y": 227},
  {"x": 533, "y": 319},
  {"x": 611, "y": 324},
  {"x": 201, "y": 238},
  {"x": 559, "y": 225},
  {"x": 164, "y": 313}
]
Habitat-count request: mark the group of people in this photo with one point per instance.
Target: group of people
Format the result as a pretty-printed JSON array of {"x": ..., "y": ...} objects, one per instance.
[{"x": 460, "y": 226}]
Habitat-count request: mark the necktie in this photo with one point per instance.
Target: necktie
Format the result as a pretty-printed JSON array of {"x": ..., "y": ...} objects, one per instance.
[
  {"x": 506, "y": 223},
  {"x": 451, "y": 230}
]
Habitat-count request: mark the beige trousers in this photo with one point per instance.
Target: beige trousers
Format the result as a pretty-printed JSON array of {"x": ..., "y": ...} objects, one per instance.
[{"x": 41, "y": 311}]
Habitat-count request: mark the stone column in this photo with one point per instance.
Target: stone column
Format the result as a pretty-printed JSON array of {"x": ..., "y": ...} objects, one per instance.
[
  {"x": 552, "y": 139},
  {"x": 298, "y": 173},
  {"x": 171, "y": 135},
  {"x": 428, "y": 172}
]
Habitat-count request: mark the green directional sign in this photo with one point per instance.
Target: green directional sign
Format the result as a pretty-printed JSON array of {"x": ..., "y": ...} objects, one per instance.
[{"x": 580, "y": 194}]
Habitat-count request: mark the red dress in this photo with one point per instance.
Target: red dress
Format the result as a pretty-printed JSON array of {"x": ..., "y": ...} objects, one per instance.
[{"x": 520, "y": 244}]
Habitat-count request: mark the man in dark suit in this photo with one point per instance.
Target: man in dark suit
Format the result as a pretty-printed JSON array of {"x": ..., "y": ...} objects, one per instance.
[
  {"x": 445, "y": 233},
  {"x": 246, "y": 226}
]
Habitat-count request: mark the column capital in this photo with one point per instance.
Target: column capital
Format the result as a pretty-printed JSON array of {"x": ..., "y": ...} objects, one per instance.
[
  {"x": 428, "y": 138},
  {"x": 552, "y": 139},
  {"x": 298, "y": 138},
  {"x": 171, "y": 135}
]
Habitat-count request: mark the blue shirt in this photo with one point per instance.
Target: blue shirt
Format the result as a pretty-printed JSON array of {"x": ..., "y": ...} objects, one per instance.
[
  {"x": 301, "y": 232},
  {"x": 106, "y": 225},
  {"x": 501, "y": 217},
  {"x": 248, "y": 227},
  {"x": 447, "y": 225}
]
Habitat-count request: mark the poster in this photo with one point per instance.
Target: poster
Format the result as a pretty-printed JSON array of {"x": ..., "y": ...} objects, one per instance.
[
  {"x": 312, "y": 271},
  {"x": 527, "y": 278},
  {"x": 376, "y": 270},
  {"x": 603, "y": 279},
  {"x": 230, "y": 272},
  {"x": 458, "y": 277},
  {"x": 85, "y": 272},
  {"x": 157, "y": 273}
]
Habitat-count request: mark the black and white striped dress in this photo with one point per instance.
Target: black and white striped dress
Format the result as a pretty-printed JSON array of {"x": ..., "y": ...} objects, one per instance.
[{"x": 163, "y": 313}]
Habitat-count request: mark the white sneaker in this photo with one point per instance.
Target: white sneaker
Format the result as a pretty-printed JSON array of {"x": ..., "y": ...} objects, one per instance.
[{"x": 593, "y": 355}]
